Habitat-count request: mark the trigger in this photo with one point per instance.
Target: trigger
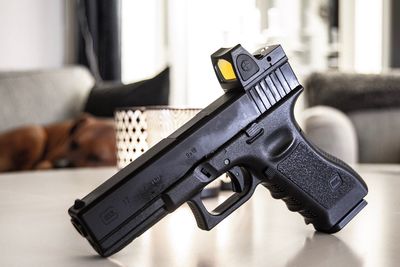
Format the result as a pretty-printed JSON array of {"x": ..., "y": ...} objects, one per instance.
[{"x": 237, "y": 179}]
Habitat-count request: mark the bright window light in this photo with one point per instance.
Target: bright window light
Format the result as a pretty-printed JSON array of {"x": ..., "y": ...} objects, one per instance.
[
  {"x": 368, "y": 36},
  {"x": 143, "y": 39}
]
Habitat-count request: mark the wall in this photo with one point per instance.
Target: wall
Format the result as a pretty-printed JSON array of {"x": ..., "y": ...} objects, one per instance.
[{"x": 33, "y": 34}]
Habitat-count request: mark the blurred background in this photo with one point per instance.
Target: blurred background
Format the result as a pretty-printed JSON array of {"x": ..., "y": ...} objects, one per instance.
[
  {"x": 350, "y": 35},
  {"x": 344, "y": 52}
]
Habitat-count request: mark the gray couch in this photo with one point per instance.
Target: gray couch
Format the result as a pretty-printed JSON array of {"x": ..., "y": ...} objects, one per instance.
[
  {"x": 371, "y": 104},
  {"x": 42, "y": 97}
]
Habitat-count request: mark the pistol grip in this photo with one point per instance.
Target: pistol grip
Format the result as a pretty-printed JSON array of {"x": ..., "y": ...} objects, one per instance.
[{"x": 323, "y": 189}]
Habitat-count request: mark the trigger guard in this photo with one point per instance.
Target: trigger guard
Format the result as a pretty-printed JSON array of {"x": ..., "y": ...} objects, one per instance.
[
  {"x": 200, "y": 212},
  {"x": 207, "y": 220}
]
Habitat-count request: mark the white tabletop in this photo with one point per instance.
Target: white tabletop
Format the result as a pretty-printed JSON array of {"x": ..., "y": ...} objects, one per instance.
[{"x": 35, "y": 229}]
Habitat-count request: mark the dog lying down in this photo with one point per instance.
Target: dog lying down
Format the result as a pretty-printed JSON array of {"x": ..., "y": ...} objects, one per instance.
[{"x": 84, "y": 142}]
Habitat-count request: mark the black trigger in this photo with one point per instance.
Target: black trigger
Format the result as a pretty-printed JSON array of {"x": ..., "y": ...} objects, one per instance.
[{"x": 237, "y": 179}]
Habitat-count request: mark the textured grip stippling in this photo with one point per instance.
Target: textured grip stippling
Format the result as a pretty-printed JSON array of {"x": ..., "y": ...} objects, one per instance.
[{"x": 315, "y": 176}]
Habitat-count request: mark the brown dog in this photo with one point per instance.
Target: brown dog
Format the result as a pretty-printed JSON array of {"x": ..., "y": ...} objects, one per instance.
[{"x": 86, "y": 141}]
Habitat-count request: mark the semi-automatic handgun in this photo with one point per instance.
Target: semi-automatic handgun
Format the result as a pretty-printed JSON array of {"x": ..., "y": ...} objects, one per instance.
[{"x": 248, "y": 133}]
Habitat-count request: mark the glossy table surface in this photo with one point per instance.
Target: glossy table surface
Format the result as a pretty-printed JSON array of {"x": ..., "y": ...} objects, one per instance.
[{"x": 35, "y": 228}]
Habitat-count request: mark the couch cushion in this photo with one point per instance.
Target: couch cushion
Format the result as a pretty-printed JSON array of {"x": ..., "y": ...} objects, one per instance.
[
  {"x": 378, "y": 134},
  {"x": 332, "y": 131},
  {"x": 42, "y": 96},
  {"x": 352, "y": 91},
  {"x": 372, "y": 102}
]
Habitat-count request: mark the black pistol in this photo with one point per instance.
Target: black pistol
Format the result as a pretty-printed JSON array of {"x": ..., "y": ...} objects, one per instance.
[{"x": 248, "y": 133}]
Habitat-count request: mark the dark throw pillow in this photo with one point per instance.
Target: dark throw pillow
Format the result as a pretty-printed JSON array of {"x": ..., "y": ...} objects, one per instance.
[
  {"x": 350, "y": 92},
  {"x": 105, "y": 98}
]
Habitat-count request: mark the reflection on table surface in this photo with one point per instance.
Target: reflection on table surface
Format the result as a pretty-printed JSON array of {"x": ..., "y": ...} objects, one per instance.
[{"x": 35, "y": 229}]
